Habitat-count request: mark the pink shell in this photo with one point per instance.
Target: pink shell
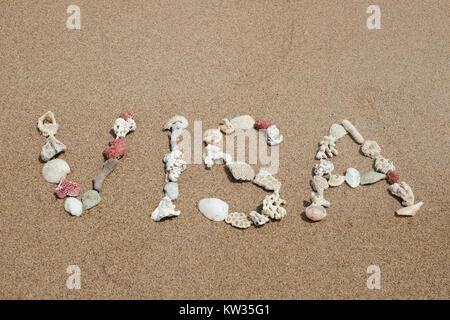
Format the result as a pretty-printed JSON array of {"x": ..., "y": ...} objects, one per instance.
[
  {"x": 125, "y": 115},
  {"x": 117, "y": 148},
  {"x": 67, "y": 188},
  {"x": 262, "y": 124}
]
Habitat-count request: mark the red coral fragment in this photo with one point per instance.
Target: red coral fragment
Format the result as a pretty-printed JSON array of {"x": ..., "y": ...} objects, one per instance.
[
  {"x": 392, "y": 177},
  {"x": 262, "y": 124},
  {"x": 125, "y": 115},
  {"x": 117, "y": 148},
  {"x": 67, "y": 188}
]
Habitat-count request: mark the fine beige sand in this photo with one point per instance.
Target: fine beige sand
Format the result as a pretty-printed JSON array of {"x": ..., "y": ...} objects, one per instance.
[{"x": 302, "y": 64}]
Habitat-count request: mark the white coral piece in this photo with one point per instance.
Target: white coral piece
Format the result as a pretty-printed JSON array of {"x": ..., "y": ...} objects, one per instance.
[
  {"x": 258, "y": 219},
  {"x": 165, "y": 209},
  {"x": 122, "y": 127},
  {"x": 327, "y": 148},
  {"x": 177, "y": 122},
  {"x": 212, "y": 136},
  {"x": 324, "y": 167},
  {"x": 51, "y": 148},
  {"x": 272, "y": 206},
  {"x": 371, "y": 149},
  {"x": 266, "y": 180},
  {"x": 383, "y": 165},
  {"x": 403, "y": 191},
  {"x": 175, "y": 165},
  {"x": 238, "y": 220},
  {"x": 318, "y": 199},
  {"x": 273, "y": 135},
  {"x": 47, "y": 124},
  {"x": 319, "y": 183},
  {"x": 174, "y": 135},
  {"x": 213, "y": 154}
]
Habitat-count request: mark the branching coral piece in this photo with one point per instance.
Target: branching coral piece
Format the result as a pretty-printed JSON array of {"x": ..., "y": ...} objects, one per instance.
[{"x": 327, "y": 148}]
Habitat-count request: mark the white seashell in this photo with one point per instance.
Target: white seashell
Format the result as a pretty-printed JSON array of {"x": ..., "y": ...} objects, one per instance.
[
  {"x": 73, "y": 206},
  {"x": 51, "y": 148},
  {"x": 47, "y": 124},
  {"x": 352, "y": 177},
  {"x": 335, "y": 180},
  {"x": 213, "y": 208},
  {"x": 177, "y": 122},
  {"x": 318, "y": 199},
  {"x": 171, "y": 190},
  {"x": 337, "y": 131},
  {"x": 383, "y": 165},
  {"x": 258, "y": 219},
  {"x": 327, "y": 148},
  {"x": 371, "y": 149},
  {"x": 353, "y": 132},
  {"x": 212, "y": 136},
  {"x": 122, "y": 127},
  {"x": 403, "y": 191},
  {"x": 226, "y": 127},
  {"x": 164, "y": 209},
  {"x": 371, "y": 177},
  {"x": 315, "y": 212},
  {"x": 175, "y": 165},
  {"x": 266, "y": 180},
  {"x": 273, "y": 136},
  {"x": 241, "y": 171},
  {"x": 324, "y": 167},
  {"x": 272, "y": 206},
  {"x": 410, "y": 210},
  {"x": 319, "y": 183},
  {"x": 243, "y": 122},
  {"x": 238, "y": 220},
  {"x": 213, "y": 155},
  {"x": 55, "y": 169}
]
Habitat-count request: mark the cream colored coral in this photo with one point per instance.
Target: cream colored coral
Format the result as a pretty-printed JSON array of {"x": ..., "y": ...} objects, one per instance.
[
  {"x": 272, "y": 206},
  {"x": 327, "y": 148},
  {"x": 371, "y": 149},
  {"x": 324, "y": 167},
  {"x": 266, "y": 180},
  {"x": 238, "y": 220},
  {"x": 383, "y": 165},
  {"x": 47, "y": 124},
  {"x": 273, "y": 135},
  {"x": 165, "y": 209},
  {"x": 241, "y": 171},
  {"x": 51, "y": 148},
  {"x": 353, "y": 131},
  {"x": 175, "y": 165},
  {"x": 403, "y": 191},
  {"x": 319, "y": 183},
  {"x": 226, "y": 127},
  {"x": 318, "y": 199},
  {"x": 258, "y": 219}
]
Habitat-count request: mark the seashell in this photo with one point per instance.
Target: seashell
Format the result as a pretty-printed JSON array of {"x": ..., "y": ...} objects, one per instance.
[
  {"x": 47, "y": 124},
  {"x": 125, "y": 115},
  {"x": 383, "y": 165},
  {"x": 410, "y": 210},
  {"x": 177, "y": 122},
  {"x": 371, "y": 149},
  {"x": 272, "y": 206},
  {"x": 327, "y": 148},
  {"x": 213, "y": 154},
  {"x": 262, "y": 124},
  {"x": 212, "y": 136},
  {"x": 315, "y": 212},
  {"x": 67, "y": 188},
  {"x": 392, "y": 177},
  {"x": 352, "y": 177},
  {"x": 273, "y": 136},
  {"x": 319, "y": 183},
  {"x": 164, "y": 209},
  {"x": 90, "y": 199},
  {"x": 213, "y": 208},
  {"x": 171, "y": 190},
  {"x": 241, "y": 171},
  {"x": 55, "y": 169},
  {"x": 122, "y": 127},
  {"x": 51, "y": 148},
  {"x": 318, "y": 199},
  {"x": 175, "y": 165},
  {"x": 73, "y": 206},
  {"x": 238, "y": 220},
  {"x": 403, "y": 191},
  {"x": 116, "y": 150},
  {"x": 258, "y": 219},
  {"x": 353, "y": 132},
  {"x": 266, "y": 180},
  {"x": 108, "y": 167},
  {"x": 226, "y": 127},
  {"x": 243, "y": 122},
  {"x": 324, "y": 167},
  {"x": 335, "y": 180},
  {"x": 337, "y": 131},
  {"x": 371, "y": 177}
]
